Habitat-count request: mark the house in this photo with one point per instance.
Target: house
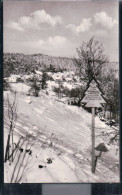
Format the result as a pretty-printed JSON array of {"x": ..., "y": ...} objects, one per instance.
[
  {"x": 39, "y": 75},
  {"x": 15, "y": 78},
  {"x": 12, "y": 79},
  {"x": 68, "y": 79}
]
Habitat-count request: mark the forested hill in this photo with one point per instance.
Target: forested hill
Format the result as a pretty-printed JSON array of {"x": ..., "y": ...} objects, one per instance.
[{"x": 15, "y": 63}]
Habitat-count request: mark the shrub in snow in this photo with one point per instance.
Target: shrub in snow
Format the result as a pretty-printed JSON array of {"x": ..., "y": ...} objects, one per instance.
[
  {"x": 49, "y": 161},
  {"x": 41, "y": 166}
]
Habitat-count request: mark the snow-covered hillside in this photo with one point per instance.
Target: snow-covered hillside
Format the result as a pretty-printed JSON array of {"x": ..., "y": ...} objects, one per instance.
[{"x": 60, "y": 141}]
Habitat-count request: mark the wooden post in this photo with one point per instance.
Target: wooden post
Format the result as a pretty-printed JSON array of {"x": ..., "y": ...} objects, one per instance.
[
  {"x": 93, "y": 140},
  {"x": 93, "y": 99}
]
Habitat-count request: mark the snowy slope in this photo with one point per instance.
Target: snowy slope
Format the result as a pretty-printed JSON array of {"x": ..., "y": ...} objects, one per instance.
[{"x": 62, "y": 133}]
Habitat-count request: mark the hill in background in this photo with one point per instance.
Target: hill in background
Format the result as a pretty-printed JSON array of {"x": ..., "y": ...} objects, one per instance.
[{"x": 15, "y": 63}]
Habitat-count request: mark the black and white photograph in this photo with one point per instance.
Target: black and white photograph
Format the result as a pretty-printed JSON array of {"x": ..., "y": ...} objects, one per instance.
[{"x": 61, "y": 91}]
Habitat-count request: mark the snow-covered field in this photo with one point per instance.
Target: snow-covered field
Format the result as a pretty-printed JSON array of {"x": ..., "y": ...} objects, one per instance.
[{"x": 60, "y": 140}]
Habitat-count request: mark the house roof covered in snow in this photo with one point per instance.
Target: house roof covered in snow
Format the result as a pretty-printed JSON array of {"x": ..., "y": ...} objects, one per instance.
[{"x": 38, "y": 72}]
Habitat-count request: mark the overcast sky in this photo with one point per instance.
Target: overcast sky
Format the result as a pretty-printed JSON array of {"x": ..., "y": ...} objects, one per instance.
[{"x": 57, "y": 28}]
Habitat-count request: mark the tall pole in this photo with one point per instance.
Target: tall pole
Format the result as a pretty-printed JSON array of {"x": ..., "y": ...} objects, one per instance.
[{"x": 93, "y": 140}]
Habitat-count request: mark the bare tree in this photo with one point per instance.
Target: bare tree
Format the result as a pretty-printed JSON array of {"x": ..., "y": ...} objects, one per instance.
[
  {"x": 35, "y": 88},
  {"x": 6, "y": 86},
  {"x": 44, "y": 80},
  {"x": 24, "y": 160},
  {"x": 91, "y": 59},
  {"x": 110, "y": 86},
  {"x": 11, "y": 121}
]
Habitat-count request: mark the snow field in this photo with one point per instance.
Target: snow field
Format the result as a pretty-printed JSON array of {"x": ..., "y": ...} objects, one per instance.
[{"x": 62, "y": 133}]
